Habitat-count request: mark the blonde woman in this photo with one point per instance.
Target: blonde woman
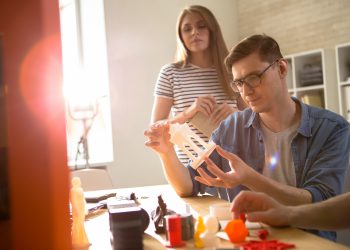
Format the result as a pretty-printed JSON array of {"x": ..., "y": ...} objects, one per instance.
[{"x": 197, "y": 82}]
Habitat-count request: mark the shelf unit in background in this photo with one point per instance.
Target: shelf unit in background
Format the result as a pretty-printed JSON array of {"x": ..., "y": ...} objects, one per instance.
[
  {"x": 343, "y": 74},
  {"x": 312, "y": 78}
]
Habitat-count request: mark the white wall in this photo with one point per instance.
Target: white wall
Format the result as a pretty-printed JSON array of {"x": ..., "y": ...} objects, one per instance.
[{"x": 140, "y": 39}]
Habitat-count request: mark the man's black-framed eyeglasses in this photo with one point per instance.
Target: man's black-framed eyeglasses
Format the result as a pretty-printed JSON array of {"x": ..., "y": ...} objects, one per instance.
[{"x": 252, "y": 80}]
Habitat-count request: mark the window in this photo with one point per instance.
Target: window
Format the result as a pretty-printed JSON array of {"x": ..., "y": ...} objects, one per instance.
[{"x": 86, "y": 87}]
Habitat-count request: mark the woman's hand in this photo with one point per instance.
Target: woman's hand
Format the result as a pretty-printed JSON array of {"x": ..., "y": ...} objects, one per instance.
[
  {"x": 159, "y": 137},
  {"x": 238, "y": 174},
  {"x": 221, "y": 112},
  {"x": 204, "y": 104}
]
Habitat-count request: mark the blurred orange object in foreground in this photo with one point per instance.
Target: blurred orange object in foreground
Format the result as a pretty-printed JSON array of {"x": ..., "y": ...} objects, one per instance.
[{"x": 236, "y": 231}]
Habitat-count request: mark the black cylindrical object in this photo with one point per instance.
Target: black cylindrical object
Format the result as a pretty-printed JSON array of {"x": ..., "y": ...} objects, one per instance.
[{"x": 126, "y": 228}]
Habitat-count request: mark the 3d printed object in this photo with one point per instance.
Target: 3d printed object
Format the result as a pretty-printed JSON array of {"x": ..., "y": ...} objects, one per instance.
[{"x": 185, "y": 138}]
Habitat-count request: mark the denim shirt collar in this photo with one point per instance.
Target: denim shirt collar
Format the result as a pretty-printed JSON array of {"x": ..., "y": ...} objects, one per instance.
[
  {"x": 305, "y": 123},
  {"x": 252, "y": 121}
]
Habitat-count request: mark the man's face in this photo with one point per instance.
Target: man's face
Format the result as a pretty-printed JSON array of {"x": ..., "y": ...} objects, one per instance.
[{"x": 267, "y": 88}]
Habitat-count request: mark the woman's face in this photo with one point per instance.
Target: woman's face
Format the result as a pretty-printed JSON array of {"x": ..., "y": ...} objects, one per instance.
[{"x": 195, "y": 33}]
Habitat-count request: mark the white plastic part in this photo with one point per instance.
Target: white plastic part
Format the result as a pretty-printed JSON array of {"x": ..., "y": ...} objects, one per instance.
[
  {"x": 209, "y": 237},
  {"x": 184, "y": 138},
  {"x": 222, "y": 211},
  {"x": 211, "y": 223}
]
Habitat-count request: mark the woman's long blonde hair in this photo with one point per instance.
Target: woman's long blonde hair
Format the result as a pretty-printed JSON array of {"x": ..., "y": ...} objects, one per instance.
[{"x": 217, "y": 45}]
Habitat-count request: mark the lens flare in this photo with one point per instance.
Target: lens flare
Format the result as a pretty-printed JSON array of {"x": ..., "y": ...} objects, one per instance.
[
  {"x": 41, "y": 79},
  {"x": 273, "y": 161}
]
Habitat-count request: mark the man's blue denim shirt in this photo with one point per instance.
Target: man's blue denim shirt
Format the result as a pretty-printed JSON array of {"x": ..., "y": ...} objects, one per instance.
[{"x": 320, "y": 151}]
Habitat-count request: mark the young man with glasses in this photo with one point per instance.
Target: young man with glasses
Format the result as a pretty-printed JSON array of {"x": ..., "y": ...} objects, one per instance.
[{"x": 293, "y": 152}]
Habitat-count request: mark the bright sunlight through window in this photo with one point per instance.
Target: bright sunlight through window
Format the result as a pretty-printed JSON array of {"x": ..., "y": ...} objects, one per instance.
[{"x": 86, "y": 89}]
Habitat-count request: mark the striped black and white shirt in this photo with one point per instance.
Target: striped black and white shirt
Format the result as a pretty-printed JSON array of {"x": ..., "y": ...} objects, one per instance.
[{"x": 184, "y": 86}]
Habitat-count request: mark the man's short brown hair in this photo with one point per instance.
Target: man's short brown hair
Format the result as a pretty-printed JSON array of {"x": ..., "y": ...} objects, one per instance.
[{"x": 266, "y": 47}]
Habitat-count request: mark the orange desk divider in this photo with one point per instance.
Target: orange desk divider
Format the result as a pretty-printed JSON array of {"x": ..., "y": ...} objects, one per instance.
[{"x": 35, "y": 121}]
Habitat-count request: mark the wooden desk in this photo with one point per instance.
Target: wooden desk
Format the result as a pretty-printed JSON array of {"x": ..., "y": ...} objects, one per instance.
[{"x": 97, "y": 227}]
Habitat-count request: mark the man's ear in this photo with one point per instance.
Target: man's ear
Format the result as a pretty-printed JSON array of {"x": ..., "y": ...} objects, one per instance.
[{"x": 283, "y": 68}]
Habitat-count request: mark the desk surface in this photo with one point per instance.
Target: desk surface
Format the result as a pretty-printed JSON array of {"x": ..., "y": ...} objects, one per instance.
[{"x": 97, "y": 226}]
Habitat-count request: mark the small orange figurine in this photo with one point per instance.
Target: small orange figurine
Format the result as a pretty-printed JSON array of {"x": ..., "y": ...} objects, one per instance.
[
  {"x": 236, "y": 231},
  {"x": 79, "y": 237}
]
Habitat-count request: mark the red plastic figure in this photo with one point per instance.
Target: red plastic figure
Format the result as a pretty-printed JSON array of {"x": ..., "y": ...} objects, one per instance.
[
  {"x": 242, "y": 217},
  {"x": 262, "y": 234},
  {"x": 267, "y": 245}
]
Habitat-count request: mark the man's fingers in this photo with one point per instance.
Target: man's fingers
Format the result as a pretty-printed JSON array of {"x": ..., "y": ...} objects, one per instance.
[
  {"x": 221, "y": 151},
  {"x": 225, "y": 153},
  {"x": 204, "y": 174},
  {"x": 214, "y": 169},
  {"x": 206, "y": 178},
  {"x": 202, "y": 180}
]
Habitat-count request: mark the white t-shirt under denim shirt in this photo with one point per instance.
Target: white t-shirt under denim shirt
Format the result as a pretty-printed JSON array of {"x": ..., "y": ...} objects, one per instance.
[{"x": 279, "y": 164}]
